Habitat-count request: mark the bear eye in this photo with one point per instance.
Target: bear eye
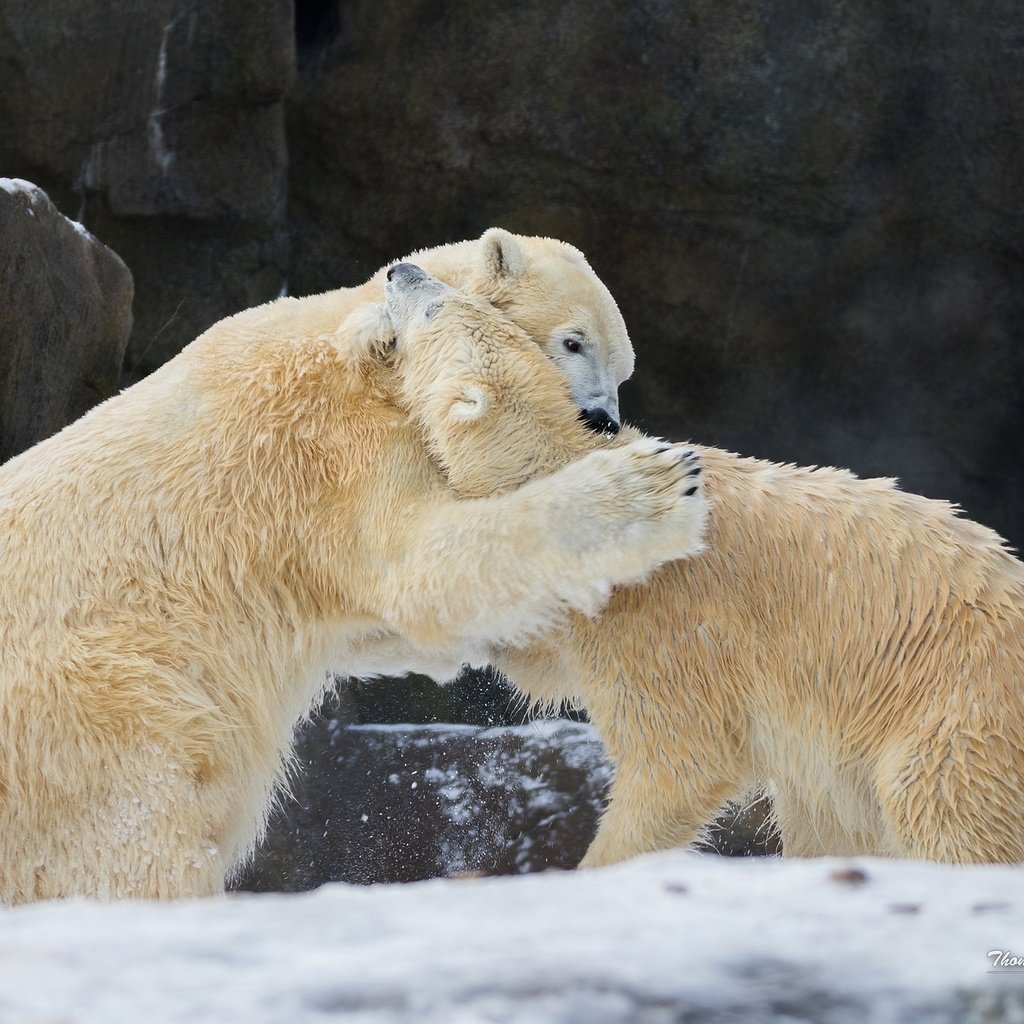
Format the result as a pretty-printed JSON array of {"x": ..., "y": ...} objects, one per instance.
[{"x": 573, "y": 345}]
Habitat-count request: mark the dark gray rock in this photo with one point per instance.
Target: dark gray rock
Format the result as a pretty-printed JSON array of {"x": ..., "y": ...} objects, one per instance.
[
  {"x": 401, "y": 803},
  {"x": 67, "y": 313},
  {"x": 812, "y": 214},
  {"x": 160, "y": 126}
]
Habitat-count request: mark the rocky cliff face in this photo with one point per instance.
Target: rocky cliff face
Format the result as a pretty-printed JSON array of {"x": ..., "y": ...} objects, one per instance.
[{"x": 812, "y": 214}]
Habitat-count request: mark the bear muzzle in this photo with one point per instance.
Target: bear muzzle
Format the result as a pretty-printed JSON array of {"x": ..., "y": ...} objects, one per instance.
[
  {"x": 599, "y": 421},
  {"x": 407, "y": 274}
]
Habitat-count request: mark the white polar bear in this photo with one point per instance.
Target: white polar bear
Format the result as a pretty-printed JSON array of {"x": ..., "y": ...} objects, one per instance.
[
  {"x": 182, "y": 565},
  {"x": 856, "y": 650}
]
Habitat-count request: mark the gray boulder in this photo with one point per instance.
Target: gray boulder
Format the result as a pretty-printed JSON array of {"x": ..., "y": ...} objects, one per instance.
[
  {"x": 401, "y": 803},
  {"x": 67, "y": 302}
]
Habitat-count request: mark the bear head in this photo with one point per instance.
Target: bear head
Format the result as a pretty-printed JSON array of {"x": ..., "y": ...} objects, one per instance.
[{"x": 494, "y": 410}]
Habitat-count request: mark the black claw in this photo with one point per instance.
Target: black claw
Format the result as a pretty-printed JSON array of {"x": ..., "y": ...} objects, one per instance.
[
  {"x": 691, "y": 491},
  {"x": 694, "y": 472},
  {"x": 663, "y": 448}
]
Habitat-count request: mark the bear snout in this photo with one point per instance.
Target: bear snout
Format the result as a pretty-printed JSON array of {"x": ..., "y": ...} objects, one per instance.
[
  {"x": 598, "y": 420},
  {"x": 407, "y": 274}
]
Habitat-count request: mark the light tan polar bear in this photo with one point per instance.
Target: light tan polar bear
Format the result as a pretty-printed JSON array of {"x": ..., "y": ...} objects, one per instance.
[
  {"x": 856, "y": 650},
  {"x": 183, "y": 564}
]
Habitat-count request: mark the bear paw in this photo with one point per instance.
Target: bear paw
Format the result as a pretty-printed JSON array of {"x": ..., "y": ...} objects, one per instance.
[
  {"x": 672, "y": 508},
  {"x": 641, "y": 504}
]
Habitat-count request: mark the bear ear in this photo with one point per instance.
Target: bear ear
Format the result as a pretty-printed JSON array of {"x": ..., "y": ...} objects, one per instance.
[
  {"x": 472, "y": 403},
  {"x": 502, "y": 254},
  {"x": 365, "y": 334}
]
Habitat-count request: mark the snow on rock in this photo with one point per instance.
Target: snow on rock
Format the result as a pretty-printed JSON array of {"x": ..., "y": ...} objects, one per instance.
[
  {"x": 670, "y": 937},
  {"x": 14, "y": 186},
  {"x": 18, "y": 186},
  {"x": 404, "y": 803},
  {"x": 399, "y": 803},
  {"x": 83, "y": 230}
]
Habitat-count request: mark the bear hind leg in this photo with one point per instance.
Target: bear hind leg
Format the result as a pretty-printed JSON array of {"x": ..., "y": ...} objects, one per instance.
[
  {"x": 648, "y": 813},
  {"x": 956, "y": 798}
]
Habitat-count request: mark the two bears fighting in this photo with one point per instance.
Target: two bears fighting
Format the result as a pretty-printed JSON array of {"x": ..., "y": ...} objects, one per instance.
[{"x": 397, "y": 477}]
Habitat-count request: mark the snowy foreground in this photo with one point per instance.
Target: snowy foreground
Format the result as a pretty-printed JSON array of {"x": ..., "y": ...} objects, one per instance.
[{"x": 672, "y": 937}]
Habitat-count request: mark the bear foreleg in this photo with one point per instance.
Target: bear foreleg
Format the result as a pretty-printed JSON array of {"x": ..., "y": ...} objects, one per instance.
[{"x": 499, "y": 570}]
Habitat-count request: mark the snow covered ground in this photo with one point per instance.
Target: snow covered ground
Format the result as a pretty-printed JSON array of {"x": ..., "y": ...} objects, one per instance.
[{"x": 671, "y": 937}]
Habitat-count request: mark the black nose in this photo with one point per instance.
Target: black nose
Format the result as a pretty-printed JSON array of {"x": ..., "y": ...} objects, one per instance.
[
  {"x": 407, "y": 273},
  {"x": 599, "y": 421}
]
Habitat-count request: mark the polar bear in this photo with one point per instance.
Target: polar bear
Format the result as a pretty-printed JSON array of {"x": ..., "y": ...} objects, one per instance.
[
  {"x": 182, "y": 565},
  {"x": 855, "y": 650}
]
